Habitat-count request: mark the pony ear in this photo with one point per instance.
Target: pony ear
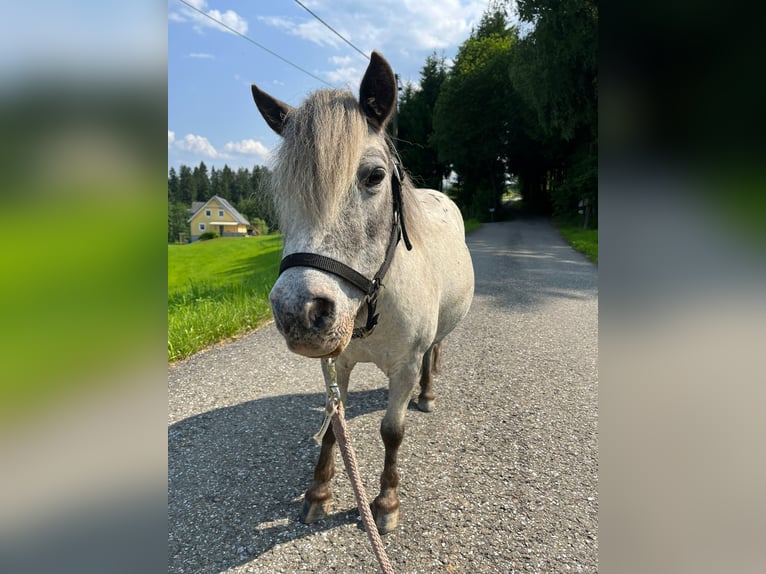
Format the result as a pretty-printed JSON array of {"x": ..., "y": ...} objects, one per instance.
[
  {"x": 274, "y": 111},
  {"x": 377, "y": 93}
]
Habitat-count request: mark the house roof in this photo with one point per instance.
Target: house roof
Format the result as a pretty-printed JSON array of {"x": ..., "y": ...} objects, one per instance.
[
  {"x": 199, "y": 205},
  {"x": 196, "y": 206}
]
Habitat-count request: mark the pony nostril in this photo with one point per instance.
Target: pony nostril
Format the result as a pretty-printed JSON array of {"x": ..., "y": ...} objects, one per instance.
[{"x": 320, "y": 312}]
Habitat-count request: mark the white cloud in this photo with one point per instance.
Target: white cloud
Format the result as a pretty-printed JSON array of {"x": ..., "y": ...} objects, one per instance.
[
  {"x": 276, "y": 21},
  {"x": 229, "y": 17},
  {"x": 247, "y": 147},
  {"x": 311, "y": 30},
  {"x": 202, "y": 56},
  {"x": 198, "y": 145},
  {"x": 345, "y": 74},
  {"x": 176, "y": 17},
  {"x": 340, "y": 60},
  {"x": 348, "y": 76},
  {"x": 447, "y": 23},
  {"x": 387, "y": 25}
]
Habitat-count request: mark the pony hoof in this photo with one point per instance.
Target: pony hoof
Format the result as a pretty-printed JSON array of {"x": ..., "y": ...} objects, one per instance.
[
  {"x": 313, "y": 511},
  {"x": 425, "y": 405},
  {"x": 385, "y": 521}
]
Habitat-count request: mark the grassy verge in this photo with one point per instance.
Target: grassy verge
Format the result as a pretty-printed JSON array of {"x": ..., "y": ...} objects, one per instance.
[
  {"x": 217, "y": 289},
  {"x": 583, "y": 240},
  {"x": 472, "y": 225}
]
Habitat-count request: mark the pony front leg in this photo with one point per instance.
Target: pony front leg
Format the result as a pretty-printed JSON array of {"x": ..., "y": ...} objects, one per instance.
[
  {"x": 318, "y": 498},
  {"x": 385, "y": 507}
]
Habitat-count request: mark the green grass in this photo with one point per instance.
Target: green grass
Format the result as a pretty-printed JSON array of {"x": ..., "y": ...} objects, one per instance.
[
  {"x": 583, "y": 240},
  {"x": 472, "y": 225},
  {"x": 218, "y": 289}
]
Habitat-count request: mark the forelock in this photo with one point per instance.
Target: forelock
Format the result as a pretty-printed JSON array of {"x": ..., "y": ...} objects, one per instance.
[{"x": 317, "y": 161}]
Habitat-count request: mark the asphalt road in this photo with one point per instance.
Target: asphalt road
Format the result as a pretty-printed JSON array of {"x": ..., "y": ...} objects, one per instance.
[{"x": 501, "y": 477}]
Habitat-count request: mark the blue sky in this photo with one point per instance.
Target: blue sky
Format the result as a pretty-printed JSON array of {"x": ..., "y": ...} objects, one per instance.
[{"x": 211, "y": 114}]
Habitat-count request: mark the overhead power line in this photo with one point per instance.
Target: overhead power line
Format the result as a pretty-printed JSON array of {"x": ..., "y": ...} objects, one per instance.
[
  {"x": 334, "y": 31},
  {"x": 249, "y": 39}
]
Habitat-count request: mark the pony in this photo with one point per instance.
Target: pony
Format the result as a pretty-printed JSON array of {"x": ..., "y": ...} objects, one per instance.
[{"x": 348, "y": 212}]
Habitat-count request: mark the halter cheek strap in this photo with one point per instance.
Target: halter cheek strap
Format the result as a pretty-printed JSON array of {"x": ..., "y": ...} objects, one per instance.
[{"x": 369, "y": 287}]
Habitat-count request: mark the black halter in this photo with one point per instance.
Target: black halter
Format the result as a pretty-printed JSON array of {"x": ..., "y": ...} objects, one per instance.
[{"x": 369, "y": 287}]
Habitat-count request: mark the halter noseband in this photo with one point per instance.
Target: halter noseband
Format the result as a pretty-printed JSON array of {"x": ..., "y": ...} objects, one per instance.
[{"x": 369, "y": 287}]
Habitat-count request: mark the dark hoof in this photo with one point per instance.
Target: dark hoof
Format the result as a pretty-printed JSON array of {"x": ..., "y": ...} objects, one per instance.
[
  {"x": 425, "y": 405},
  {"x": 385, "y": 521},
  {"x": 313, "y": 511}
]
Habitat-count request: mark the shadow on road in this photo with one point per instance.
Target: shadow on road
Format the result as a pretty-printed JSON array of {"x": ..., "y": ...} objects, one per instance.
[{"x": 236, "y": 476}]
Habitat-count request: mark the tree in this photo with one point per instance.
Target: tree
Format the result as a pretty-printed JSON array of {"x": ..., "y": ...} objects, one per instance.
[
  {"x": 173, "y": 186},
  {"x": 177, "y": 216},
  {"x": 473, "y": 114},
  {"x": 201, "y": 182},
  {"x": 241, "y": 185},
  {"x": 187, "y": 188},
  {"x": 417, "y": 150},
  {"x": 555, "y": 70},
  {"x": 227, "y": 182},
  {"x": 260, "y": 184},
  {"x": 216, "y": 184}
]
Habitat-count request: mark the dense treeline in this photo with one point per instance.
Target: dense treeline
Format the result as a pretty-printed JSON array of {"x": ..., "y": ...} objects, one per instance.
[
  {"x": 512, "y": 107},
  {"x": 244, "y": 189}
]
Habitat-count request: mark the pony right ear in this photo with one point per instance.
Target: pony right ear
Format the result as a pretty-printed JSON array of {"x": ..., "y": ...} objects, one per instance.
[
  {"x": 377, "y": 94},
  {"x": 274, "y": 111}
]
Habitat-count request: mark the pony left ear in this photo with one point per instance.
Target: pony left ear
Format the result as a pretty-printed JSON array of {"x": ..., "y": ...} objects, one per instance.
[
  {"x": 377, "y": 93},
  {"x": 274, "y": 111}
]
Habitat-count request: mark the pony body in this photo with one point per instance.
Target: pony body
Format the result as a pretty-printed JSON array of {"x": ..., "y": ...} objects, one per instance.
[{"x": 333, "y": 180}]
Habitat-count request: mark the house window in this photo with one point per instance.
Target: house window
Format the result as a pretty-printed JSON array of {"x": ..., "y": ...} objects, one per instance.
[
  {"x": 220, "y": 213},
  {"x": 202, "y": 227},
  {"x": 207, "y": 213}
]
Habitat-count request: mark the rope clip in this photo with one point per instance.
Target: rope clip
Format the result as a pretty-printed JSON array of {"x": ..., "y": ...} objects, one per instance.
[{"x": 333, "y": 397}]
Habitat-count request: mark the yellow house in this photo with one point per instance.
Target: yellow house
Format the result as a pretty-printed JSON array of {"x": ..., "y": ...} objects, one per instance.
[{"x": 216, "y": 214}]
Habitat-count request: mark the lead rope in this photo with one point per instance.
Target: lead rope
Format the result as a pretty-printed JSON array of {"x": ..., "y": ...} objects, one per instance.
[{"x": 335, "y": 412}]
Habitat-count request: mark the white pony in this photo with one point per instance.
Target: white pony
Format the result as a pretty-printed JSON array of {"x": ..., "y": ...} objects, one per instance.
[{"x": 374, "y": 270}]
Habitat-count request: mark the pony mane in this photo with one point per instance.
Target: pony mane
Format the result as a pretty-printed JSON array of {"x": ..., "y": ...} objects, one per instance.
[
  {"x": 410, "y": 196},
  {"x": 316, "y": 163}
]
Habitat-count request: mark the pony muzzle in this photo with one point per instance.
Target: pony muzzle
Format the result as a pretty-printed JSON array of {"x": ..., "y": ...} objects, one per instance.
[{"x": 312, "y": 326}]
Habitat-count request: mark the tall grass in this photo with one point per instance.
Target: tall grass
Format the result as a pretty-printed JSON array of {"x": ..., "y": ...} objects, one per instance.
[
  {"x": 218, "y": 289},
  {"x": 583, "y": 240}
]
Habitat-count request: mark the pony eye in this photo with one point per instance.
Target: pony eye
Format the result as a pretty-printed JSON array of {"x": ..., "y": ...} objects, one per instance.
[{"x": 377, "y": 175}]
